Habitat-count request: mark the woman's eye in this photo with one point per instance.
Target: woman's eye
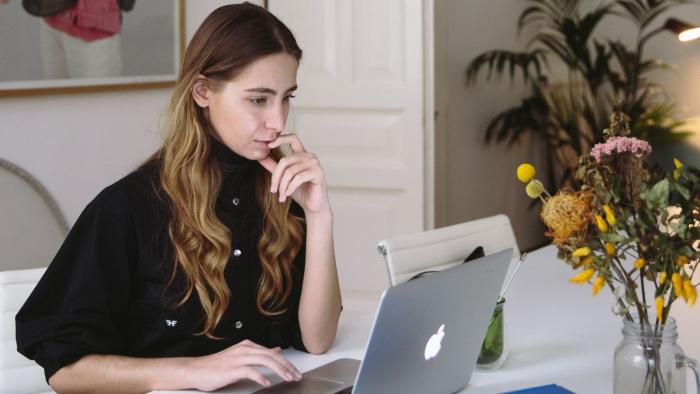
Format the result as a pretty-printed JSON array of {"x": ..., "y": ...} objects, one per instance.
[
  {"x": 258, "y": 100},
  {"x": 289, "y": 97}
]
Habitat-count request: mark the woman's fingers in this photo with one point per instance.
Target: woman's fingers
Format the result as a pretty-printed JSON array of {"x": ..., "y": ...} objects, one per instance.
[
  {"x": 281, "y": 168},
  {"x": 267, "y": 361},
  {"x": 251, "y": 348},
  {"x": 291, "y": 139},
  {"x": 276, "y": 355},
  {"x": 252, "y": 374},
  {"x": 291, "y": 173},
  {"x": 299, "y": 180}
]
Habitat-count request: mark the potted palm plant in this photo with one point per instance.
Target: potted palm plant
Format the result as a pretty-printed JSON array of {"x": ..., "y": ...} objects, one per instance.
[{"x": 568, "y": 113}]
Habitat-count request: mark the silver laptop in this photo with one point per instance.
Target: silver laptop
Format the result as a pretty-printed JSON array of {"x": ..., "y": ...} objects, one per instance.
[{"x": 426, "y": 336}]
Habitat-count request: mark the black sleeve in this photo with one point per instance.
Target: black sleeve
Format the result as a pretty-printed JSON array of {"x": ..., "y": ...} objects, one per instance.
[
  {"x": 79, "y": 305},
  {"x": 293, "y": 328}
]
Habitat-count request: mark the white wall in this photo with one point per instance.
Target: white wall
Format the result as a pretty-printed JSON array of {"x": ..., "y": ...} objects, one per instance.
[
  {"x": 78, "y": 144},
  {"x": 474, "y": 180}
]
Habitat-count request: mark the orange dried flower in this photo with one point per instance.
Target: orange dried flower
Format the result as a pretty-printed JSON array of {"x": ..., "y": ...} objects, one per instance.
[{"x": 567, "y": 213}]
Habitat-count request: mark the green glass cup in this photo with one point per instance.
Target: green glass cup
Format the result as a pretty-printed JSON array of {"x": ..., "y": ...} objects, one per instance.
[{"x": 493, "y": 349}]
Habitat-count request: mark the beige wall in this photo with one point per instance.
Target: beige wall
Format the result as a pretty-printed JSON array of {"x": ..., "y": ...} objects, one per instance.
[{"x": 474, "y": 180}]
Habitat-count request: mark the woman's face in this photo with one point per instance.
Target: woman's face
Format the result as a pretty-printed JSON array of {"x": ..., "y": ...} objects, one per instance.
[{"x": 251, "y": 110}]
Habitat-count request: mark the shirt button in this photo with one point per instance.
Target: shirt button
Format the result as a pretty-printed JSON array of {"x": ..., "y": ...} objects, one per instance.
[
  {"x": 239, "y": 324},
  {"x": 237, "y": 252},
  {"x": 236, "y": 201}
]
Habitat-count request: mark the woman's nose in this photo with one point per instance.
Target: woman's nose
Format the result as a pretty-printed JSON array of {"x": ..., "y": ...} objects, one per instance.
[{"x": 276, "y": 118}]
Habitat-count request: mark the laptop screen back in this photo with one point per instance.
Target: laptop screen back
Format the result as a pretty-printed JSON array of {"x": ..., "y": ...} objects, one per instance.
[{"x": 428, "y": 332}]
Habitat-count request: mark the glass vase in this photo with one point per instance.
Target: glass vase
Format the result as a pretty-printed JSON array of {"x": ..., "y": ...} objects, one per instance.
[
  {"x": 493, "y": 350},
  {"x": 649, "y": 360}
]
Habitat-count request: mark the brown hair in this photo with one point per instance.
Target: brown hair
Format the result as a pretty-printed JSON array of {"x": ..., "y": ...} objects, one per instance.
[{"x": 229, "y": 39}]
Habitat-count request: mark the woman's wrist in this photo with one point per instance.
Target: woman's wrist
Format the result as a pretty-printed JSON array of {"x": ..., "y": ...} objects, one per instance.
[
  {"x": 175, "y": 373},
  {"x": 324, "y": 216}
]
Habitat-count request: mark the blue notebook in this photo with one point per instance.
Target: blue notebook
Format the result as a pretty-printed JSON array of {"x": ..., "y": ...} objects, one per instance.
[{"x": 548, "y": 389}]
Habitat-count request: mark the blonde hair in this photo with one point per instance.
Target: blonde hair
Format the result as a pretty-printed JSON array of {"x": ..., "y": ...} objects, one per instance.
[{"x": 229, "y": 39}]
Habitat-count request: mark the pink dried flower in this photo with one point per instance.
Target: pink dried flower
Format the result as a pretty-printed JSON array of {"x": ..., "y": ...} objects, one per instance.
[{"x": 620, "y": 145}]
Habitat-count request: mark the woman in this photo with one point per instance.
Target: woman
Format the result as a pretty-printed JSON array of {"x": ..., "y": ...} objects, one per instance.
[{"x": 216, "y": 253}]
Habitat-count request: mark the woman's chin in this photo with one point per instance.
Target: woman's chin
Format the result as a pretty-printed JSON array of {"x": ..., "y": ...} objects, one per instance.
[{"x": 258, "y": 154}]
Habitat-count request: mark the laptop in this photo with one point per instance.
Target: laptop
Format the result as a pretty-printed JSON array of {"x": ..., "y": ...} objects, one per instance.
[{"x": 426, "y": 335}]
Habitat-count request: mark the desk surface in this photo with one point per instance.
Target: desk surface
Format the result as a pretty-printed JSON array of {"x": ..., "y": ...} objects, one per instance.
[{"x": 556, "y": 332}]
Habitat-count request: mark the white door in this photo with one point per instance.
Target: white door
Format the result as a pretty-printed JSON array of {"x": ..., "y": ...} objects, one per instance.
[{"x": 360, "y": 109}]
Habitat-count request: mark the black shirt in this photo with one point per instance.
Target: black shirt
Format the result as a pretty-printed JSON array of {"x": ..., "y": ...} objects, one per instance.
[{"x": 104, "y": 292}]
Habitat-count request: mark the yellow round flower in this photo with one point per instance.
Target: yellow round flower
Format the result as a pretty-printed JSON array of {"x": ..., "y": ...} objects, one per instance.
[
  {"x": 526, "y": 172},
  {"x": 602, "y": 224},
  {"x": 688, "y": 289},
  {"x": 609, "y": 215},
  {"x": 588, "y": 260},
  {"x": 660, "y": 306},
  {"x": 677, "y": 284},
  {"x": 682, "y": 260},
  {"x": 677, "y": 163},
  {"x": 662, "y": 278},
  {"x": 598, "y": 284},
  {"x": 582, "y": 276},
  {"x": 583, "y": 251},
  {"x": 534, "y": 188},
  {"x": 610, "y": 249},
  {"x": 639, "y": 263}
]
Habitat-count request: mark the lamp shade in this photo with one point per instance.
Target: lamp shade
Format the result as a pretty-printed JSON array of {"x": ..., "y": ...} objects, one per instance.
[{"x": 684, "y": 31}]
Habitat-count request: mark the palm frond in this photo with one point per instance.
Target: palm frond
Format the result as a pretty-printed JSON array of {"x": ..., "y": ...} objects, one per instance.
[
  {"x": 554, "y": 43},
  {"x": 633, "y": 9},
  {"x": 511, "y": 124},
  {"x": 569, "y": 116},
  {"x": 495, "y": 62}
]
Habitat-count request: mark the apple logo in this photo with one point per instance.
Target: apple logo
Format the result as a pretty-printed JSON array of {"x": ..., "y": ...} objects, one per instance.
[{"x": 432, "y": 348}]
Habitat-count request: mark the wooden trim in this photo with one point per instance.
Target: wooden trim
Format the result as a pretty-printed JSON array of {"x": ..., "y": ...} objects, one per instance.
[
  {"x": 110, "y": 87},
  {"x": 85, "y": 89}
]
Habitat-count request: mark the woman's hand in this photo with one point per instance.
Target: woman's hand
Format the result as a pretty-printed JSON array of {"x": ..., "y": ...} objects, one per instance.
[
  {"x": 299, "y": 175},
  {"x": 236, "y": 363}
]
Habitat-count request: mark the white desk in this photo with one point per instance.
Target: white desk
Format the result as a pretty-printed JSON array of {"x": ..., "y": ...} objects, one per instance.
[{"x": 556, "y": 331}]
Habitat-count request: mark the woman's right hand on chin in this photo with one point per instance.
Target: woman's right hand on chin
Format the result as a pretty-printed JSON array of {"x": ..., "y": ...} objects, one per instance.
[{"x": 238, "y": 362}]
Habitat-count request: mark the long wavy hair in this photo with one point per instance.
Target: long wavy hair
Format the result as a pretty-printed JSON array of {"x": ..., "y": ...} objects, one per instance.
[{"x": 229, "y": 39}]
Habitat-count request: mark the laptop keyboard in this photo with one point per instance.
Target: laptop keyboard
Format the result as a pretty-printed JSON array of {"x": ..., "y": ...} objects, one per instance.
[{"x": 306, "y": 386}]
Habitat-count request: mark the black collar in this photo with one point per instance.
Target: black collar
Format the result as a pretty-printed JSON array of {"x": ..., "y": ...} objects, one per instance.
[{"x": 230, "y": 162}]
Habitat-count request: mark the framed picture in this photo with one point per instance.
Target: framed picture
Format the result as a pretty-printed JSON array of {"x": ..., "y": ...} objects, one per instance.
[{"x": 37, "y": 58}]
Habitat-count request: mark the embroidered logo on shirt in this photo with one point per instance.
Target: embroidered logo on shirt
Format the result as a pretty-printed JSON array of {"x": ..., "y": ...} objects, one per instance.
[{"x": 170, "y": 323}]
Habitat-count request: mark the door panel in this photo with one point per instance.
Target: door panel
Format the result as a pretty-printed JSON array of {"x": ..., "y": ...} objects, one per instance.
[{"x": 360, "y": 109}]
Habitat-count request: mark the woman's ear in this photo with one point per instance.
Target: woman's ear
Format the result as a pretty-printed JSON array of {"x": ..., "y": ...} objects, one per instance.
[{"x": 201, "y": 91}]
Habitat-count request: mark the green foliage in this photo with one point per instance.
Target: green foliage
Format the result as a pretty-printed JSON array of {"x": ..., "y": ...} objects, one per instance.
[
  {"x": 657, "y": 220},
  {"x": 570, "y": 115}
]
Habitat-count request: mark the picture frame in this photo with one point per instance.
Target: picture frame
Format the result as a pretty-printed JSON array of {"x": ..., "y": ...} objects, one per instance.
[{"x": 152, "y": 44}]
